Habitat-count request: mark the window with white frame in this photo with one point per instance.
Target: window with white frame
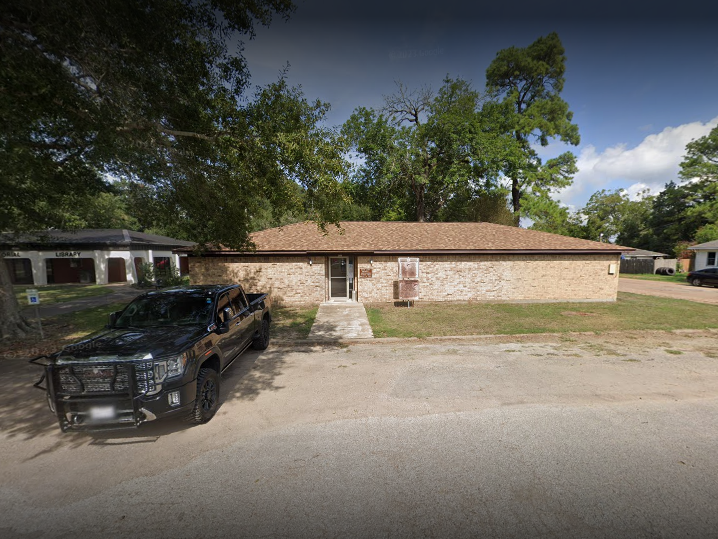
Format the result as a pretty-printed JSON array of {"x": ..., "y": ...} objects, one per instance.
[{"x": 712, "y": 258}]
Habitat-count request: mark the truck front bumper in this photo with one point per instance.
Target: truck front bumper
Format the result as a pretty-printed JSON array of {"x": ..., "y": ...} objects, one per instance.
[
  {"x": 110, "y": 412},
  {"x": 99, "y": 397}
]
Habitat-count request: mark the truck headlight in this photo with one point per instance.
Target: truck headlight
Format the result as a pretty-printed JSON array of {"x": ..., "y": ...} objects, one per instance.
[{"x": 176, "y": 365}]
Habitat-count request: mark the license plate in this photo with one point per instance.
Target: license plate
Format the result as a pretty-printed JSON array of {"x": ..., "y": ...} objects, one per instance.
[{"x": 102, "y": 412}]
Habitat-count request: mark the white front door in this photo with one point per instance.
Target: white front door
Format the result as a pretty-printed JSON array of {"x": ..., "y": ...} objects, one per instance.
[{"x": 338, "y": 278}]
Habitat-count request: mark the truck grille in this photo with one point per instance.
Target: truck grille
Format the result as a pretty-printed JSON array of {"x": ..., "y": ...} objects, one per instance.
[{"x": 92, "y": 379}]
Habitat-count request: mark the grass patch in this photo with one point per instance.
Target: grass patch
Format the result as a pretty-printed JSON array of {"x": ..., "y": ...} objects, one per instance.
[
  {"x": 67, "y": 328},
  {"x": 81, "y": 323},
  {"x": 292, "y": 323},
  {"x": 629, "y": 312},
  {"x": 60, "y": 293},
  {"x": 677, "y": 278},
  {"x": 673, "y": 352}
]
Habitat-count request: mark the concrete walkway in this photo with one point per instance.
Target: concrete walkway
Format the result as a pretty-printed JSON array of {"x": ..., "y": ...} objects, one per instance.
[{"x": 335, "y": 321}]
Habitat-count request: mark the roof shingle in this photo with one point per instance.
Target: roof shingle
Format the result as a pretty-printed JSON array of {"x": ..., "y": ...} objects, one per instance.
[{"x": 377, "y": 237}]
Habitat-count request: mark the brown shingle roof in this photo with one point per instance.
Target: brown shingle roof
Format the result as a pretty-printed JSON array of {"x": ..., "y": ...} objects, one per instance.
[{"x": 376, "y": 237}]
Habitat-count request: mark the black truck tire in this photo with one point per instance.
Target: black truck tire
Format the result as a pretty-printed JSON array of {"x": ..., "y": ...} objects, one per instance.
[
  {"x": 262, "y": 340},
  {"x": 207, "y": 400}
]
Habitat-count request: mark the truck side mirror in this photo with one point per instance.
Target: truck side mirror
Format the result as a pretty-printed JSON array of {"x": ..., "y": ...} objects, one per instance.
[
  {"x": 223, "y": 318},
  {"x": 223, "y": 328},
  {"x": 113, "y": 318}
]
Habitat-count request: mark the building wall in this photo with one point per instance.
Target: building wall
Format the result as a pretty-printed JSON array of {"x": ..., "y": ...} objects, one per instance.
[
  {"x": 287, "y": 280},
  {"x": 702, "y": 259},
  {"x": 442, "y": 278},
  {"x": 497, "y": 278},
  {"x": 95, "y": 261}
]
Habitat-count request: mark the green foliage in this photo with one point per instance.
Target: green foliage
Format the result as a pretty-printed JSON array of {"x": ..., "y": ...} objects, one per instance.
[
  {"x": 681, "y": 250},
  {"x": 426, "y": 156},
  {"x": 549, "y": 216},
  {"x": 170, "y": 277},
  {"x": 673, "y": 218},
  {"x": 701, "y": 159},
  {"x": 146, "y": 275},
  {"x": 149, "y": 275},
  {"x": 707, "y": 233},
  {"x": 529, "y": 82},
  {"x": 152, "y": 92}
]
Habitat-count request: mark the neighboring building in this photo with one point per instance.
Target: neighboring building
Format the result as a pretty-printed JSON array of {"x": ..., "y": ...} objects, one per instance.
[
  {"x": 706, "y": 254},
  {"x": 297, "y": 264},
  {"x": 87, "y": 256},
  {"x": 642, "y": 261},
  {"x": 642, "y": 254}
]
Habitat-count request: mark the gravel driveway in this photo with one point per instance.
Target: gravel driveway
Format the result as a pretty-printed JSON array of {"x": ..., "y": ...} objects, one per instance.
[
  {"x": 607, "y": 435},
  {"x": 701, "y": 294}
]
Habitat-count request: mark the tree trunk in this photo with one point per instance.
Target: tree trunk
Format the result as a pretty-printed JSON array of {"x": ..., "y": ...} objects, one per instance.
[
  {"x": 419, "y": 203},
  {"x": 515, "y": 196},
  {"x": 12, "y": 324}
]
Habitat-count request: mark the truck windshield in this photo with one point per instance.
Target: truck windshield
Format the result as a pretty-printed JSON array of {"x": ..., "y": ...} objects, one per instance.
[{"x": 175, "y": 309}]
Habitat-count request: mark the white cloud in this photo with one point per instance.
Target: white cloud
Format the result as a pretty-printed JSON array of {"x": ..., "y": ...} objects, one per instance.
[{"x": 651, "y": 164}]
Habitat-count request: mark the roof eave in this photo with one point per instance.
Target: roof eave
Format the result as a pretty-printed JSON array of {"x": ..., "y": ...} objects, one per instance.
[{"x": 390, "y": 252}]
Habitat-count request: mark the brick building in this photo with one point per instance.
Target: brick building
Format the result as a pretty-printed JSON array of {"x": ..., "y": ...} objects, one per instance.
[{"x": 388, "y": 261}]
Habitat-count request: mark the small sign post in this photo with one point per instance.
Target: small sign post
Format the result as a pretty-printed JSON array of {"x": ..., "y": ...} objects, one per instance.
[{"x": 33, "y": 298}]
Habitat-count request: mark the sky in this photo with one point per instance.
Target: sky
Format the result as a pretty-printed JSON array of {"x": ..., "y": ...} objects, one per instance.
[{"x": 641, "y": 77}]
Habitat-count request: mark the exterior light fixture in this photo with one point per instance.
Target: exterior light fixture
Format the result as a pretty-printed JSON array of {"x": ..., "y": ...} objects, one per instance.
[
  {"x": 310, "y": 260},
  {"x": 371, "y": 261}
]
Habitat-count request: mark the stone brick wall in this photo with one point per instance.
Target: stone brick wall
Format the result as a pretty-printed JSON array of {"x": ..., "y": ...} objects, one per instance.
[
  {"x": 497, "y": 278},
  {"x": 288, "y": 280},
  {"x": 293, "y": 281}
]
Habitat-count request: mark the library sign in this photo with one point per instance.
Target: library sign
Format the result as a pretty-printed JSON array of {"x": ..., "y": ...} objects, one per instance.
[{"x": 68, "y": 254}]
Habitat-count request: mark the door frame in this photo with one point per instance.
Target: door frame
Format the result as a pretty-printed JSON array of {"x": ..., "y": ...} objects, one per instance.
[{"x": 347, "y": 296}]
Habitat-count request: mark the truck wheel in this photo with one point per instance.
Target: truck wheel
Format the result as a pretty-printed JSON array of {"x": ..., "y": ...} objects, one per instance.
[
  {"x": 207, "y": 400},
  {"x": 262, "y": 340}
]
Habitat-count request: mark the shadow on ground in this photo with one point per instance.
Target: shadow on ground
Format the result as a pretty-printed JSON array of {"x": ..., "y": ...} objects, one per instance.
[{"x": 24, "y": 413}]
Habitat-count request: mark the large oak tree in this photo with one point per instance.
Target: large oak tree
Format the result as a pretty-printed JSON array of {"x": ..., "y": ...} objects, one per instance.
[{"x": 152, "y": 92}]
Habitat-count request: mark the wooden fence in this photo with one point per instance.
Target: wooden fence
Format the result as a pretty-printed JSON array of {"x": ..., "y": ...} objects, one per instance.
[{"x": 646, "y": 265}]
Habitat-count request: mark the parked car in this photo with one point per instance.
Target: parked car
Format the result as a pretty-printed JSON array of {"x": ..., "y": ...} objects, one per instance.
[
  {"x": 160, "y": 356},
  {"x": 707, "y": 276}
]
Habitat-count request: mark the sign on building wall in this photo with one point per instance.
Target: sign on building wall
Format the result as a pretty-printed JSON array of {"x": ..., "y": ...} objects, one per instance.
[
  {"x": 408, "y": 279},
  {"x": 365, "y": 273},
  {"x": 409, "y": 289},
  {"x": 408, "y": 268}
]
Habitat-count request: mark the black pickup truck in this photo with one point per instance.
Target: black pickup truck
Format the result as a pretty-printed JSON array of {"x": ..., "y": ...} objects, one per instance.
[{"x": 160, "y": 356}]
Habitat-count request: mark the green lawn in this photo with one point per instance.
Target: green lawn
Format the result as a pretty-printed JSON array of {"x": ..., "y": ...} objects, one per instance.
[
  {"x": 60, "y": 293},
  {"x": 288, "y": 323},
  {"x": 629, "y": 312},
  {"x": 80, "y": 323},
  {"x": 677, "y": 278}
]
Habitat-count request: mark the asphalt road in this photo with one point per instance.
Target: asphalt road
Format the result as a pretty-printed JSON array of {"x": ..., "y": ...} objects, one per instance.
[
  {"x": 580, "y": 436},
  {"x": 701, "y": 294}
]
